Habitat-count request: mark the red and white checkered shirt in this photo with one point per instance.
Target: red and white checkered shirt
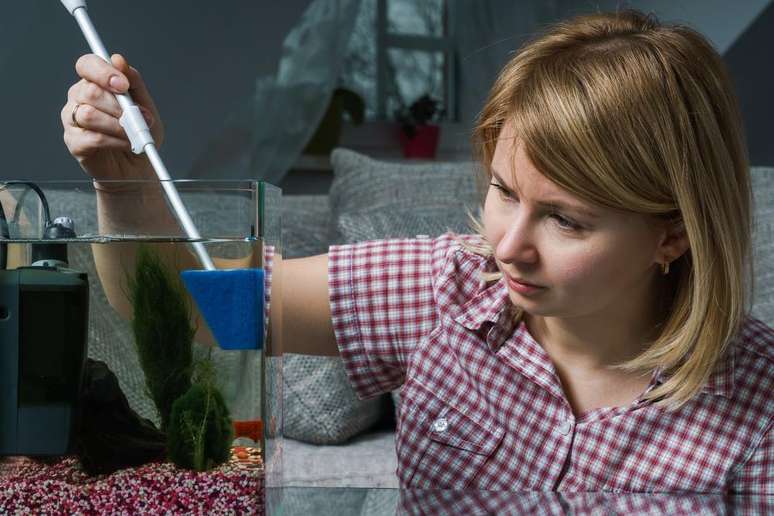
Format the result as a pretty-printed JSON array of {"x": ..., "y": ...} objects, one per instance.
[{"x": 483, "y": 408}]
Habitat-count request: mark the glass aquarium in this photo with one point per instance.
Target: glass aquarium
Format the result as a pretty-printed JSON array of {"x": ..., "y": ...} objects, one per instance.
[{"x": 128, "y": 364}]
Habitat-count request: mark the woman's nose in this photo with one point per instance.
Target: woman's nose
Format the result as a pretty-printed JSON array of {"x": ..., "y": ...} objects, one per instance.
[{"x": 517, "y": 245}]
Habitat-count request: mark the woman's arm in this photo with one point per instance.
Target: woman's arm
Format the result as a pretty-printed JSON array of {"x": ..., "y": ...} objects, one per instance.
[
  {"x": 307, "y": 325},
  {"x": 301, "y": 295}
]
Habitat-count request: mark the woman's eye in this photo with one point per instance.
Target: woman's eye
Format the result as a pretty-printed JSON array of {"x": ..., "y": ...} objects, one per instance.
[
  {"x": 504, "y": 193},
  {"x": 565, "y": 223}
]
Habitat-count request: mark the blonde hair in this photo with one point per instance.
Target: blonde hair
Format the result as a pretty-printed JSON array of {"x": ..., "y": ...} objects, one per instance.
[{"x": 631, "y": 114}]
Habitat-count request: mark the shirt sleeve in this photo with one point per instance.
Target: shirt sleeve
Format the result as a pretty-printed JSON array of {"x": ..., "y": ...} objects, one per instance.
[
  {"x": 756, "y": 476},
  {"x": 382, "y": 306}
]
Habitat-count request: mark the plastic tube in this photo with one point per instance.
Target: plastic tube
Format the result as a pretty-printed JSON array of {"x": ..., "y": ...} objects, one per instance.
[{"x": 140, "y": 136}]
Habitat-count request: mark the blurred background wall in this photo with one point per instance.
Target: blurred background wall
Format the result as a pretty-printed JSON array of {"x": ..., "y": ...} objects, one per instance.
[{"x": 201, "y": 61}]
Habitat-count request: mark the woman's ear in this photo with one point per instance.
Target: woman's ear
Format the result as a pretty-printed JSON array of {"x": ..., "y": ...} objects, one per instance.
[{"x": 673, "y": 242}]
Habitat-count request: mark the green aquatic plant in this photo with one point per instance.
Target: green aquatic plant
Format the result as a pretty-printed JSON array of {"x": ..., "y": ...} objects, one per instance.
[
  {"x": 200, "y": 428},
  {"x": 163, "y": 332}
]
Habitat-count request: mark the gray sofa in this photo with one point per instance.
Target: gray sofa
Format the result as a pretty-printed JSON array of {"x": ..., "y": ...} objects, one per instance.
[{"x": 332, "y": 438}]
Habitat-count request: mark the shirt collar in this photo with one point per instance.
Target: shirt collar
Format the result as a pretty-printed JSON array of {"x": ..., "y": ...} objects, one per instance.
[
  {"x": 721, "y": 381},
  {"x": 488, "y": 305}
]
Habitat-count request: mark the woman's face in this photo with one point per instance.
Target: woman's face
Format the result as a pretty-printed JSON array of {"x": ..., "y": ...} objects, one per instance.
[{"x": 586, "y": 260}]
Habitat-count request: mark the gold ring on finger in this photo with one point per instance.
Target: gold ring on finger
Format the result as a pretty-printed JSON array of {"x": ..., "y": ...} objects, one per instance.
[{"x": 72, "y": 115}]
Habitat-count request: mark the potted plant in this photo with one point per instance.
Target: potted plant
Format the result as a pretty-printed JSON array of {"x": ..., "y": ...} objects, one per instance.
[{"x": 419, "y": 131}]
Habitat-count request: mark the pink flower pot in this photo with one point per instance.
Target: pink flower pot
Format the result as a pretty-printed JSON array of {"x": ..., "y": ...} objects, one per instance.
[{"x": 424, "y": 144}]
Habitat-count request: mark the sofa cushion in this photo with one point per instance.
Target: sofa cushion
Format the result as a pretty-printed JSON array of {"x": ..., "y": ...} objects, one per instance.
[
  {"x": 382, "y": 223},
  {"x": 304, "y": 225},
  {"x": 361, "y": 184},
  {"x": 320, "y": 405}
]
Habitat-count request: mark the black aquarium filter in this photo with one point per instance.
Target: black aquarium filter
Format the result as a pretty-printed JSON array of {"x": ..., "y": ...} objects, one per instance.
[
  {"x": 44, "y": 311},
  {"x": 43, "y": 331}
]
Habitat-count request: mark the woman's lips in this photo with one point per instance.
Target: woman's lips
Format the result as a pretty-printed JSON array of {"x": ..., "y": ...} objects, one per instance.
[{"x": 522, "y": 287}]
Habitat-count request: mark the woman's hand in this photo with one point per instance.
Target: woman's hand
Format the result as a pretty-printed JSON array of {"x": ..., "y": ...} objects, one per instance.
[{"x": 90, "y": 119}]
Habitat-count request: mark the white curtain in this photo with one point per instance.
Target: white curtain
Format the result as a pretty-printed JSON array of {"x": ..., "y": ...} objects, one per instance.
[{"x": 265, "y": 137}]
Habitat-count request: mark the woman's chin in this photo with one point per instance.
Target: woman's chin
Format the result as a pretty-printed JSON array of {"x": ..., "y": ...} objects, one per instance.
[{"x": 533, "y": 306}]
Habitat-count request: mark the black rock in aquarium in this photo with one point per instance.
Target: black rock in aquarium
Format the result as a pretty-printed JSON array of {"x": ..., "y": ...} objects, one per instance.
[{"x": 112, "y": 436}]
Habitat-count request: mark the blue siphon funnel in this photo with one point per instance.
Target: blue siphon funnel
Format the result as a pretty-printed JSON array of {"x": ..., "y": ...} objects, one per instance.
[{"x": 232, "y": 304}]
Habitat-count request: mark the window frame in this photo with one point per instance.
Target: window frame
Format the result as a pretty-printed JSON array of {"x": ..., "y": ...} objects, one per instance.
[{"x": 444, "y": 44}]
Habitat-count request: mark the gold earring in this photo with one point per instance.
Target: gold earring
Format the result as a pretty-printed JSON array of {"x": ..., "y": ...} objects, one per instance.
[{"x": 665, "y": 268}]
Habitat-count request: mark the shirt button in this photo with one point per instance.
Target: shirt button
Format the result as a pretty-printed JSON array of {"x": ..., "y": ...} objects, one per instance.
[
  {"x": 565, "y": 427},
  {"x": 440, "y": 424}
]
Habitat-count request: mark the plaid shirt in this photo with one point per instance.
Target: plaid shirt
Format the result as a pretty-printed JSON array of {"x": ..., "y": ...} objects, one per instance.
[{"x": 482, "y": 406}]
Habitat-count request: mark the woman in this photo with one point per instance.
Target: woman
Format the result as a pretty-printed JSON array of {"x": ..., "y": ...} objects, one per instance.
[{"x": 594, "y": 335}]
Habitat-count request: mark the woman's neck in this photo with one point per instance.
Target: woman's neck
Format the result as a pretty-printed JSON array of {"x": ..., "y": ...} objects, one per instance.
[
  {"x": 597, "y": 341},
  {"x": 587, "y": 344},
  {"x": 583, "y": 349}
]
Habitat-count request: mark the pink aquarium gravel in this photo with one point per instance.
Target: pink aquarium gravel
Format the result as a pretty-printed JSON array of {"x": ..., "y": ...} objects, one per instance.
[{"x": 61, "y": 487}]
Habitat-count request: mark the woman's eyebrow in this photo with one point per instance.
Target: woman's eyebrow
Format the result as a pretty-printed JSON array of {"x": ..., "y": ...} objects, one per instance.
[
  {"x": 553, "y": 204},
  {"x": 500, "y": 180}
]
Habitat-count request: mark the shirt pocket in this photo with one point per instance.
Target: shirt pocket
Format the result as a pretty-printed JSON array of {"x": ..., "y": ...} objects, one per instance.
[{"x": 442, "y": 447}]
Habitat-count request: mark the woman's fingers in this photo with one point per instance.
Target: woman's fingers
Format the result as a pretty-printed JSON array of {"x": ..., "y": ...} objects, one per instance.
[
  {"x": 90, "y": 93},
  {"x": 82, "y": 143},
  {"x": 91, "y": 115},
  {"x": 137, "y": 86},
  {"x": 141, "y": 96},
  {"x": 94, "y": 69},
  {"x": 86, "y": 116},
  {"x": 99, "y": 82}
]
